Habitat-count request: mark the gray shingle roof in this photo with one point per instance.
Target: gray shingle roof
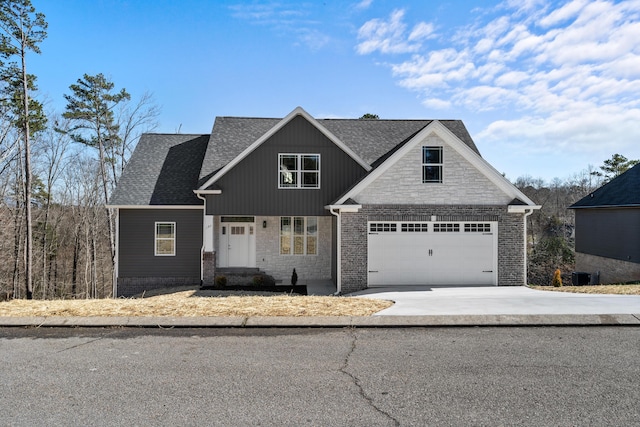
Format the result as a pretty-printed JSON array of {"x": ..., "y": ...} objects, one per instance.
[
  {"x": 371, "y": 140},
  {"x": 624, "y": 190},
  {"x": 163, "y": 170}
]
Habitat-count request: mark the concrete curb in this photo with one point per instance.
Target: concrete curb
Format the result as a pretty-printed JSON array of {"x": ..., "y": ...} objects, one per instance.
[{"x": 329, "y": 322}]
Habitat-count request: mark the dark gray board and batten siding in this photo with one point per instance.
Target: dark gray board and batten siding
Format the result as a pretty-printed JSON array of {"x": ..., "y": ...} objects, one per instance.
[
  {"x": 137, "y": 239},
  {"x": 609, "y": 232},
  {"x": 251, "y": 187}
]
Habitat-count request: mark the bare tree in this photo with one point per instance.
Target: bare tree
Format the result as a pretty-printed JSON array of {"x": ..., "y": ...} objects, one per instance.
[{"x": 22, "y": 30}]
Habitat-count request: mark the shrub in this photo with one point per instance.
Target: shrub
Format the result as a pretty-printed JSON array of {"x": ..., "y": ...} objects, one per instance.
[
  {"x": 263, "y": 280},
  {"x": 557, "y": 278},
  {"x": 221, "y": 281}
]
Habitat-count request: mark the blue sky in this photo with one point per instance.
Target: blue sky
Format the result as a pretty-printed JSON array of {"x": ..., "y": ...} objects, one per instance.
[{"x": 545, "y": 88}]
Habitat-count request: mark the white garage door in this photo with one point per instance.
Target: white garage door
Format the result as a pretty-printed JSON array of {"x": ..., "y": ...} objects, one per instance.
[{"x": 432, "y": 253}]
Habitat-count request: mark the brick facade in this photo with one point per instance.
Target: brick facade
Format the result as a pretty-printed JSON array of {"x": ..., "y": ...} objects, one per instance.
[
  {"x": 208, "y": 268},
  {"x": 354, "y": 233}
]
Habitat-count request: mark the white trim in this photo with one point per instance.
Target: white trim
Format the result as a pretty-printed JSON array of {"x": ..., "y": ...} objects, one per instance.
[
  {"x": 522, "y": 209},
  {"x": 454, "y": 142},
  {"x": 298, "y": 111},
  {"x": 299, "y": 171},
  {"x": 204, "y": 214},
  {"x": 293, "y": 236},
  {"x": 155, "y": 206},
  {"x": 155, "y": 238},
  {"x": 526, "y": 244},
  {"x": 343, "y": 208},
  {"x": 207, "y": 192},
  {"x": 337, "y": 213},
  {"x": 440, "y": 148}
]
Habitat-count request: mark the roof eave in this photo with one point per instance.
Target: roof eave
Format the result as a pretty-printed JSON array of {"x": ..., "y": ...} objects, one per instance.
[
  {"x": 344, "y": 208},
  {"x": 522, "y": 208},
  {"x": 604, "y": 206}
]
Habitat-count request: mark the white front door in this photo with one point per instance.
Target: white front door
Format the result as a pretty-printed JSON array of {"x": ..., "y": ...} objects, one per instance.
[{"x": 237, "y": 244}]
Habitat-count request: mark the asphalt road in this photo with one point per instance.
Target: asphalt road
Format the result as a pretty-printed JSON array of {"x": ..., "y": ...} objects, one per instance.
[{"x": 320, "y": 377}]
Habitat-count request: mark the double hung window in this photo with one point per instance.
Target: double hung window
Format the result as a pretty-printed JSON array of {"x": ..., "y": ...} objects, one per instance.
[
  {"x": 165, "y": 239},
  {"x": 299, "y": 171},
  {"x": 432, "y": 164}
]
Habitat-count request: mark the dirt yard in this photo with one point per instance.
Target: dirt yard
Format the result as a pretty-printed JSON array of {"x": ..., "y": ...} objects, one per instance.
[{"x": 195, "y": 303}]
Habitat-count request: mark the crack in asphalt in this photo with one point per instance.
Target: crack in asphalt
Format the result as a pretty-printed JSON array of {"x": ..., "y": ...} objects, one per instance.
[
  {"x": 356, "y": 381},
  {"x": 86, "y": 342}
]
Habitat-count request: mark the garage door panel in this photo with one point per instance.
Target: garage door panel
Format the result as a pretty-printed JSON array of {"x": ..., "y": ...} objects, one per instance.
[
  {"x": 395, "y": 258},
  {"x": 432, "y": 258}
]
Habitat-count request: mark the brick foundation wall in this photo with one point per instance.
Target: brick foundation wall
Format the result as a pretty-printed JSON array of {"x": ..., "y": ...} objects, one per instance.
[
  {"x": 129, "y": 286},
  {"x": 354, "y": 237}
]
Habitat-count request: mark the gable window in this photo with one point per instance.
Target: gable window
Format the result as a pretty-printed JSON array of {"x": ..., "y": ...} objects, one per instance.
[
  {"x": 432, "y": 164},
  {"x": 299, "y": 171},
  {"x": 165, "y": 244},
  {"x": 298, "y": 235}
]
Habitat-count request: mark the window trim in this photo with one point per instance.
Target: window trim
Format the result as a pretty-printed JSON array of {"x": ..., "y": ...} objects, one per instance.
[
  {"x": 426, "y": 164},
  {"x": 298, "y": 171},
  {"x": 157, "y": 239},
  {"x": 292, "y": 235}
]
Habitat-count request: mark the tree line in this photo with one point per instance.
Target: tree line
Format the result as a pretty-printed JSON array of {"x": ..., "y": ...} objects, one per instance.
[{"x": 57, "y": 170}]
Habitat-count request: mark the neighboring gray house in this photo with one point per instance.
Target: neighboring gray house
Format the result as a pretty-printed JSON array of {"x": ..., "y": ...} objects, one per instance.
[
  {"x": 360, "y": 202},
  {"x": 608, "y": 230}
]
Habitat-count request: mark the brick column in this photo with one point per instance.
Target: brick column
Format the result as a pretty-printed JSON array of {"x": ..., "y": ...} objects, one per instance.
[{"x": 208, "y": 268}]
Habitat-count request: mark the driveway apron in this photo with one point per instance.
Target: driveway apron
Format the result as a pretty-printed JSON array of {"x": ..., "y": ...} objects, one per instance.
[{"x": 461, "y": 300}]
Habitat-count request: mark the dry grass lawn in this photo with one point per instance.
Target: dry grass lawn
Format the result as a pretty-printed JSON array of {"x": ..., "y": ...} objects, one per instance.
[
  {"x": 598, "y": 289},
  {"x": 196, "y": 303}
]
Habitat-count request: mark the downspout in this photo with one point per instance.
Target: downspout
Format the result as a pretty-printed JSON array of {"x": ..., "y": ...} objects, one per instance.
[
  {"x": 338, "y": 251},
  {"x": 527, "y": 212},
  {"x": 204, "y": 213}
]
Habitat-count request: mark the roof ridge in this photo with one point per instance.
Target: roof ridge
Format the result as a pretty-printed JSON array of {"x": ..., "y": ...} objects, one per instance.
[
  {"x": 342, "y": 118},
  {"x": 173, "y": 133}
]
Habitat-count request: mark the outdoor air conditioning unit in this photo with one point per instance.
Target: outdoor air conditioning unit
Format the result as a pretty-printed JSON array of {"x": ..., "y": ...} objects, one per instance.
[{"x": 580, "y": 278}]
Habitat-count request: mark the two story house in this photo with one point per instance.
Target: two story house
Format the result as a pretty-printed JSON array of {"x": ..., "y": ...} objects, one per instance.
[{"x": 362, "y": 203}]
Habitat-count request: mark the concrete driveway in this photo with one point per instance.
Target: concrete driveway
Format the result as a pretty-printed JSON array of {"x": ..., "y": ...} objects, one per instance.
[{"x": 498, "y": 300}]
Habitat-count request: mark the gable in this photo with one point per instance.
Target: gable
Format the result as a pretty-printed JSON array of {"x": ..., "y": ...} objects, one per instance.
[
  {"x": 298, "y": 112},
  {"x": 250, "y": 187},
  {"x": 466, "y": 177}
]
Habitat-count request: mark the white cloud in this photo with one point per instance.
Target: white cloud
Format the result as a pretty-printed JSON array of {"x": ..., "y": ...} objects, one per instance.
[
  {"x": 564, "y": 77},
  {"x": 364, "y": 4},
  {"x": 437, "y": 104},
  {"x": 288, "y": 18},
  {"x": 390, "y": 36},
  {"x": 421, "y": 31}
]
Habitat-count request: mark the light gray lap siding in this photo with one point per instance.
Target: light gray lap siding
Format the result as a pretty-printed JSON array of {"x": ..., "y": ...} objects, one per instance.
[
  {"x": 354, "y": 237},
  {"x": 137, "y": 239}
]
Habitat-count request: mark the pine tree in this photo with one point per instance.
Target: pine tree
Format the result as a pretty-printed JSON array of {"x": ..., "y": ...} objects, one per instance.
[{"x": 22, "y": 30}]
